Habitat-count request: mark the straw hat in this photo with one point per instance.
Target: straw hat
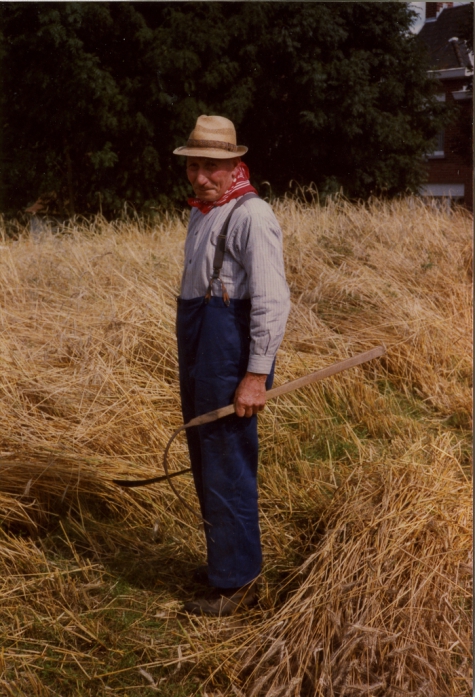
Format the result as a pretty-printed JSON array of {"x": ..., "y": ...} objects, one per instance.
[{"x": 213, "y": 136}]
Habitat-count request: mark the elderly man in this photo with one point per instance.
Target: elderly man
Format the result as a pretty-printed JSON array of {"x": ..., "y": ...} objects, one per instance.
[{"x": 231, "y": 317}]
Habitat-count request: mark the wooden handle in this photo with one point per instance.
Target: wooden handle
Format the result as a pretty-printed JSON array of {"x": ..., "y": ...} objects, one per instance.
[
  {"x": 295, "y": 384},
  {"x": 225, "y": 411}
]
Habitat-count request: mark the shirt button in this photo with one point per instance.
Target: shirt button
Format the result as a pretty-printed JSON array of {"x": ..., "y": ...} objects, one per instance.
[{"x": 189, "y": 261}]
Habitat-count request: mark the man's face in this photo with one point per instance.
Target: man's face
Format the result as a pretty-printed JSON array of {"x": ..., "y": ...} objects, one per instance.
[{"x": 210, "y": 178}]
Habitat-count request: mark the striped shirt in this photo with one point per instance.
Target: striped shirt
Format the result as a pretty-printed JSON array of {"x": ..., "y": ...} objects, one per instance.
[{"x": 253, "y": 267}]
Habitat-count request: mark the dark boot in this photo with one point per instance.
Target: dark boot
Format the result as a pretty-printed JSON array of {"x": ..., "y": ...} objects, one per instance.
[{"x": 222, "y": 602}]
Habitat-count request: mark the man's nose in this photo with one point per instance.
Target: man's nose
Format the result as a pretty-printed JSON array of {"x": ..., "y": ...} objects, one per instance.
[{"x": 201, "y": 177}]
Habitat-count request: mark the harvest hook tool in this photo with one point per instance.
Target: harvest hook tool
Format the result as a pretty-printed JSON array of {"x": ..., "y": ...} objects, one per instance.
[{"x": 225, "y": 411}]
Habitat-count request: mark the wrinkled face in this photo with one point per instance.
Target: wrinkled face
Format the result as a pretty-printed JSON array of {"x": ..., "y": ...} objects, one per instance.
[{"x": 210, "y": 178}]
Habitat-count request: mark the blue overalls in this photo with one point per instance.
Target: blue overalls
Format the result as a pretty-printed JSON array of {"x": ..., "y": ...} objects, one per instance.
[{"x": 213, "y": 352}]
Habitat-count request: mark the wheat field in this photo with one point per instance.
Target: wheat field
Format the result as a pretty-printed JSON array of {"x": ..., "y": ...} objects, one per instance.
[{"x": 365, "y": 478}]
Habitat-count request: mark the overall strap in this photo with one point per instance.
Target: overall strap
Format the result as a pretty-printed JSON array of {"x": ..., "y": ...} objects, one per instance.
[{"x": 220, "y": 249}]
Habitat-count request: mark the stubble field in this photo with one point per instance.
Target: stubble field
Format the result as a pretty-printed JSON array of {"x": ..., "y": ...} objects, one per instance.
[{"x": 365, "y": 478}]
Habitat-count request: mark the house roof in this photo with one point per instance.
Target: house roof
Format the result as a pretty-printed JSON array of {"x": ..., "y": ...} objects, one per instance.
[{"x": 445, "y": 52}]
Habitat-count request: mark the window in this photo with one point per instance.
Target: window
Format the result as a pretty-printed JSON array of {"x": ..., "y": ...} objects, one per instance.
[{"x": 439, "y": 147}]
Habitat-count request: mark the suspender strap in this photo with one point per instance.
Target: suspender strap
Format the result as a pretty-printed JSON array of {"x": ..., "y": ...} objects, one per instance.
[{"x": 220, "y": 249}]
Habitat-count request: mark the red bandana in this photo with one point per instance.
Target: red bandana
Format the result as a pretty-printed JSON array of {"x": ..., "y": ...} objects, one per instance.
[{"x": 240, "y": 186}]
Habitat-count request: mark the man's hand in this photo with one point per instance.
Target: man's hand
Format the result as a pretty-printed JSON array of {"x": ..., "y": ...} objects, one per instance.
[{"x": 250, "y": 395}]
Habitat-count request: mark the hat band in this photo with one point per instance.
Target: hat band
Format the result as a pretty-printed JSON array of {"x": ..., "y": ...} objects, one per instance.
[{"x": 219, "y": 144}]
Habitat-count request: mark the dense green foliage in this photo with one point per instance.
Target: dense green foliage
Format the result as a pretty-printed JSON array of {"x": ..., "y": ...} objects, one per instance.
[{"x": 96, "y": 95}]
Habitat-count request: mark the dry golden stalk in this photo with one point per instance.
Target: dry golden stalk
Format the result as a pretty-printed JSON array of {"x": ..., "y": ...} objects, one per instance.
[{"x": 364, "y": 483}]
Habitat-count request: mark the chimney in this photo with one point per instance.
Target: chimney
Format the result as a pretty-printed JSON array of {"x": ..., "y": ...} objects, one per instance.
[{"x": 433, "y": 9}]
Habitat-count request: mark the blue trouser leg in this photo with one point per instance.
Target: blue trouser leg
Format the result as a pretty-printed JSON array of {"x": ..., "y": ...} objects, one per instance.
[{"x": 213, "y": 351}]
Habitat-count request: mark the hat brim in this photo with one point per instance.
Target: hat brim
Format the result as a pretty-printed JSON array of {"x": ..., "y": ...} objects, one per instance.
[{"x": 215, "y": 154}]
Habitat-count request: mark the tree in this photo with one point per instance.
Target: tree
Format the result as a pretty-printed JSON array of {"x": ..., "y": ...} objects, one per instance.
[
  {"x": 97, "y": 95},
  {"x": 70, "y": 104},
  {"x": 351, "y": 107}
]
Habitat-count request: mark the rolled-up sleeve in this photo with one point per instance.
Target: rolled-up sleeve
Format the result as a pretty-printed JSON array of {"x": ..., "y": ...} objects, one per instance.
[{"x": 260, "y": 243}]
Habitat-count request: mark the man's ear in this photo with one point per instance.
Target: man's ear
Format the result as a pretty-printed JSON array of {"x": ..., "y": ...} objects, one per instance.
[{"x": 236, "y": 163}]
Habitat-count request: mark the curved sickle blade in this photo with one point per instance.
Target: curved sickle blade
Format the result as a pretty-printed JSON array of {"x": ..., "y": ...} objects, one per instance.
[
  {"x": 275, "y": 392},
  {"x": 131, "y": 483}
]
